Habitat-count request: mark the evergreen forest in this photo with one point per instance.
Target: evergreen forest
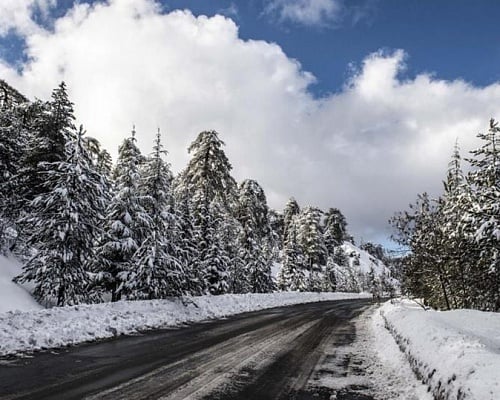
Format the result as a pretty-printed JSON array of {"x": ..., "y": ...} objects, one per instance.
[{"x": 90, "y": 230}]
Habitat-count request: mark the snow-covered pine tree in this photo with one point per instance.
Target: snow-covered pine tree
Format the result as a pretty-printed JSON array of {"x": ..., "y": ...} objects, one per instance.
[
  {"x": 104, "y": 163},
  {"x": 211, "y": 191},
  {"x": 255, "y": 239},
  {"x": 157, "y": 270},
  {"x": 459, "y": 252},
  {"x": 485, "y": 182},
  {"x": 207, "y": 175},
  {"x": 51, "y": 126},
  {"x": 291, "y": 276},
  {"x": 126, "y": 220},
  {"x": 372, "y": 283},
  {"x": 187, "y": 239},
  {"x": 311, "y": 241},
  {"x": 12, "y": 143},
  {"x": 101, "y": 159},
  {"x": 215, "y": 260},
  {"x": 329, "y": 281},
  {"x": 230, "y": 231},
  {"x": 334, "y": 228},
  {"x": 290, "y": 212},
  {"x": 64, "y": 223},
  {"x": 276, "y": 223}
]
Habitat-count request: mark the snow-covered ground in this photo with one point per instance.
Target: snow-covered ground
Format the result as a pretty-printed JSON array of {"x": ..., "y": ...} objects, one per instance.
[
  {"x": 456, "y": 353},
  {"x": 365, "y": 261},
  {"x": 61, "y": 326},
  {"x": 13, "y": 296},
  {"x": 388, "y": 368},
  {"x": 371, "y": 366}
]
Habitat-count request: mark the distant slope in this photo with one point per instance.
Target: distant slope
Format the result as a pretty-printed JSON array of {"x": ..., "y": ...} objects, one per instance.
[
  {"x": 366, "y": 261},
  {"x": 354, "y": 274},
  {"x": 361, "y": 265},
  {"x": 13, "y": 296}
]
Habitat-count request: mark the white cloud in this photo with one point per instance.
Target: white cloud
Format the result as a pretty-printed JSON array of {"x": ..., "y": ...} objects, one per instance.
[
  {"x": 231, "y": 11},
  {"x": 367, "y": 150},
  {"x": 18, "y": 15},
  {"x": 305, "y": 12}
]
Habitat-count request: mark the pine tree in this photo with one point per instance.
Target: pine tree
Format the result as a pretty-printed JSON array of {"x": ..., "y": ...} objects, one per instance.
[
  {"x": 64, "y": 224},
  {"x": 214, "y": 260},
  {"x": 311, "y": 241},
  {"x": 335, "y": 229},
  {"x": 290, "y": 211},
  {"x": 485, "y": 181},
  {"x": 458, "y": 252},
  {"x": 329, "y": 282},
  {"x": 126, "y": 220},
  {"x": 276, "y": 224},
  {"x": 51, "y": 126},
  {"x": 255, "y": 239},
  {"x": 12, "y": 142},
  {"x": 291, "y": 276},
  {"x": 104, "y": 163},
  {"x": 211, "y": 190},
  {"x": 157, "y": 270},
  {"x": 229, "y": 233},
  {"x": 207, "y": 175},
  {"x": 101, "y": 159},
  {"x": 186, "y": 241}
]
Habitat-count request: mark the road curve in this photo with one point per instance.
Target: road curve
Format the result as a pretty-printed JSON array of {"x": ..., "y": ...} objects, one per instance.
[{"x": 268, "y": 354}]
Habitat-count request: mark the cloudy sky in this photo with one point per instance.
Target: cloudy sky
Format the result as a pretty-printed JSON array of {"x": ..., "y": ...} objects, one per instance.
[{"x": 351, "y": 104}]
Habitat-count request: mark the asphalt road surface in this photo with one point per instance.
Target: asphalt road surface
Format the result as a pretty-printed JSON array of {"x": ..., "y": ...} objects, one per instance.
[{"x": 269, "y": 354}]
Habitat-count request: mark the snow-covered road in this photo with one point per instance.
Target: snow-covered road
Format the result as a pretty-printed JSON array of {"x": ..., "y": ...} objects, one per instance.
[{"x": 268, "y": 354}]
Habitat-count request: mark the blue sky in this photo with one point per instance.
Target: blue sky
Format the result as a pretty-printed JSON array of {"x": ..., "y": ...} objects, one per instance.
[
  {"x": 453, "y": 39},
  {"x": 348, "y": 104}
]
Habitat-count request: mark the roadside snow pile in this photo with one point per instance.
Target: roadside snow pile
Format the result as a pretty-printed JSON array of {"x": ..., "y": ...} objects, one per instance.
[
  {"x": 62, "y": 326},
  {"x": 12, "y": 295},
  {"x": 457, "y": 353}
]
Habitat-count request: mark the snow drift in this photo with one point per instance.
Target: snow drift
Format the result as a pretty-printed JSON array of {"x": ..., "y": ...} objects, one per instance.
[
  {"x": 455, "y": 352},
  {"x": 12, "y": 295}
]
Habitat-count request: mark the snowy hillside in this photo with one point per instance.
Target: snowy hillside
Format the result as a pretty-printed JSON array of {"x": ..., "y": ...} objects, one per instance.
[
  {"x": 363, "y": 272},
  {"x": 355, "y": 270},
  {"x": 365, "y": 260},
  {"x": 456, "y": 353},
  {"x": 14, "y": 296}
]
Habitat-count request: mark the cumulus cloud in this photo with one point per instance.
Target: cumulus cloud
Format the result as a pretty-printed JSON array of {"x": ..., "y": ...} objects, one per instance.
[
  {"x": 19, "y": 15},
  {"x": 368, "y": 149},
  {"x": 305, "y": 12}
]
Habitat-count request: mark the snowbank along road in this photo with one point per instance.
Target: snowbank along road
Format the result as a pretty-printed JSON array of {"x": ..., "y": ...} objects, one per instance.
[{"x": 271, "y": 354}]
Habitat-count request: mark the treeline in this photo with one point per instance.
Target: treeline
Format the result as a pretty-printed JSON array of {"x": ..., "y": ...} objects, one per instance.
[
  {"x": 92, "y": 231},
  {"x": 454, "y": 240}
]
